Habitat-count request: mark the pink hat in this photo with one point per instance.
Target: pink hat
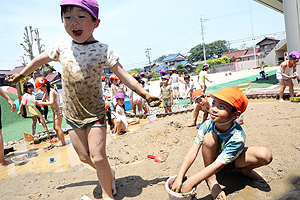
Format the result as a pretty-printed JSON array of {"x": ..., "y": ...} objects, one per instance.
[
  {"x": 90, "y": 5},
  {"x": 165, "y": 77},
  {"x": 120, "y": 96}
]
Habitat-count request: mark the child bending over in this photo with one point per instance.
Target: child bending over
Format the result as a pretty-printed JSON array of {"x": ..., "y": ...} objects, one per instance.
[{"x": 222, "y": 141}]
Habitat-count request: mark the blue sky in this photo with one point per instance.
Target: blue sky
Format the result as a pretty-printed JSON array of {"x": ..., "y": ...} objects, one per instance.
[{"x": 132, "y": 26}]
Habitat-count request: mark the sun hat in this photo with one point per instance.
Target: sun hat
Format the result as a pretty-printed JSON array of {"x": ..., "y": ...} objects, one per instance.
[
  {"x": 234, "y": 97},
  {"x": 113, "y": 77},
  {"x": 197, "y": 94},
  {"x": 294, "y": 55},
  {"x": 173, "y": 68},
  {"x": 90, "y": 5},
  {"x": 107, "y": 106},
  {"x": 39, "y": 82},
  {"x": 165, "y": 77},
  {"x": 206, "y": 66},
  {"x": 162, "y": 71},
  {"x": 120, "y": 96},
  {"x": 103, "y": 77},
  {"x": 142, "y": 74}
]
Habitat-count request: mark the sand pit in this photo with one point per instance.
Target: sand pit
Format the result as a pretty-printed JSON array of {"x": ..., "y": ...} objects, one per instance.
[{"x": 271, "y": 124}]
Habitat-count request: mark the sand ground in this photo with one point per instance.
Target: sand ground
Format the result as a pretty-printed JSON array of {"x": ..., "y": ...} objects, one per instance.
[{"x": 270, "y": 124}]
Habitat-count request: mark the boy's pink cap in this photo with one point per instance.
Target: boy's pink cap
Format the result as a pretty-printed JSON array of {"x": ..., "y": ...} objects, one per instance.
[
  {"x": 120, "y": 96},
  {"x": 90, "y": 5}
]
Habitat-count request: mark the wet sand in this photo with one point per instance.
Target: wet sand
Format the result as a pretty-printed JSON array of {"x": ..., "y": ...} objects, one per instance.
[{"x": 270, "y": 124}]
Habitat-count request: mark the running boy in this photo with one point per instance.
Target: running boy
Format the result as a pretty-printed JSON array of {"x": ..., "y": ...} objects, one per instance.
[
  {"x": 223, "y": 143},
  {"x": 83, "y": 60}
]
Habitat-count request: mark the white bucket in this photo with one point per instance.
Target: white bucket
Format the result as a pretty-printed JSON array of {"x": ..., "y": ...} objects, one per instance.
[
  {"x": 174, "y": 195},
  {"x": 152, "y": 118}
]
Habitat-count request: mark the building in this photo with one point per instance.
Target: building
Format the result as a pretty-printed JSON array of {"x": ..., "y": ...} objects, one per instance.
[{"x": 172, "y": 61}]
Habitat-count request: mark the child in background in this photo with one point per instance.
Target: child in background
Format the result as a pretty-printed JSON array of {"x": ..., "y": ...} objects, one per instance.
[
  {"x": 114, "y": 89},
  {"x": 203, "y": 76},
  {"x": 189, "y": 87},
  {"x": 119, "y": 118},
  {"x": 223, "y": 145},
  {"x": 144, "y": 102},
  {"x": 13, "y": 108},
  {"x": 166, "y": 94},
  {"x": 174, "y": 81},
  {"x": 283, "y": 72},
  {"x": 135, "y": 99},
  {"x": 146, "y": 86},
  {"x": 28, "y": 89},
  {"x": 161, "y": 73},
  {"x": 83, "y": 59},
  {"x": 203, "y": 103},
  {"x": 52, "y": 97}
]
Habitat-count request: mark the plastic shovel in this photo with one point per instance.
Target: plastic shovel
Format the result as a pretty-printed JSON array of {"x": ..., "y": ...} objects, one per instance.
[{"x": 158, "y": 158}]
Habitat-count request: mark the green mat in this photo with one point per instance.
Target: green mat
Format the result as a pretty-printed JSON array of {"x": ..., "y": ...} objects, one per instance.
[{"x": 261, "y": 83}]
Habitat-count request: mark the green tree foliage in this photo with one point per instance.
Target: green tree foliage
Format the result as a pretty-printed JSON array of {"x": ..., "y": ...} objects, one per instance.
[
  {"x": 180, "y": 68},
  {"x": 136, "y": 71},
  {"x": 159, "y": 59},
  {"x": 212, "y": 50}
]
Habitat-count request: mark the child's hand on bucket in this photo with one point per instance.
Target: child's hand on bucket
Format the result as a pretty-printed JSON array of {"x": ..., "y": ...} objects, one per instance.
[{"x": 176, "y": 186}]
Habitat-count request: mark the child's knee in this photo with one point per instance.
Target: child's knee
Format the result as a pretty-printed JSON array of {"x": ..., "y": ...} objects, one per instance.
[
  {"x": 265, "y": 155},
  {"x": 85, "y": 158},
  {"x": 98, "y": 160},
  {"x": 210, "y": 140}
]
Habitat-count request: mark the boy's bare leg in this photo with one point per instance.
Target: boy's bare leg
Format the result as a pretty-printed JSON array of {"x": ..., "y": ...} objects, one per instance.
[
  {"x": 251, "y": 158},
  {"x": 210, "y": 153},
  {"x": 2, "y": 160},
  {"x": 195, "y": 115},
  {"x": 94, "y": 154}
]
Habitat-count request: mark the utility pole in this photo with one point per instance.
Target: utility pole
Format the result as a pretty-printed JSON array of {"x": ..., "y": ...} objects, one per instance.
[
  {"x": 252, "y": 35},
  {"x": 148, "y": 55},
  {"x": 203, "y": 44}
]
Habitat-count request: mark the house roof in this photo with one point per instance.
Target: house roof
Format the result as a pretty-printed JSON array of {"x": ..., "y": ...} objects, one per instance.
[
  {"x": 236, "y": 54},
  {"x": 171, "y": 57},
  {"x": 250, "y": 51},
  {"x": 185, "y": 62},
  {"x": 267, "y": 40},
  {"x": 160, "y": 67},
  {"x": 16, "y": 70},
  {"x": 50, "y": 77}
]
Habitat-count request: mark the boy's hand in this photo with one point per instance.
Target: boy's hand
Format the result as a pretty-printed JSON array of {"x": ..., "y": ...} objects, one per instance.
[
  {"x": 152, "y": 101},
  {"x": 176, "y": 186},
  {"x": 13, "y": 79}
]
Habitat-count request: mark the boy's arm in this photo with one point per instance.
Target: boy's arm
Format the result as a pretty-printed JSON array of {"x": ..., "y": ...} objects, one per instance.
[
  {"x": 129, "y": 81},
  {"x": 186, "y": 164},
  {"x": 205, "y": 115},
  {"x": 41, "y": 59}
]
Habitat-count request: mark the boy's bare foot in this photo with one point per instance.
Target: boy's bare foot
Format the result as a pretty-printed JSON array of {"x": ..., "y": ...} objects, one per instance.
[
  {"x": 60, "y": 144},
  {"x": 113, "y": 183},
  {"x": 216, "y": 192},
  {"x": 192, "y": 124},
  {"x": 281, "y": 100},
  {"x": 5, "y": 162},
  {"x": 254, "y": 174}
]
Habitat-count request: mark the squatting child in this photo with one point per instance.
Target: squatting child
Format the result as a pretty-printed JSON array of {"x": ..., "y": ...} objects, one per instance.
[
  {"x": 203, "y": 103},
  {"x": 223, "y": 145},
  {"x": 83, "y": 59},
  {"x": 166, "y": 94}
]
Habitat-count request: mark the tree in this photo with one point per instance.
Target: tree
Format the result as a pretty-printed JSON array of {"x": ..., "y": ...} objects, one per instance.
[
  {"x": 136, "y": 71},
  {"x": 29, "y": 36},
  {"x": 213, "y": 50},
  {"x": 159, "y": 59},
  {"x": 181, "y": 68}
]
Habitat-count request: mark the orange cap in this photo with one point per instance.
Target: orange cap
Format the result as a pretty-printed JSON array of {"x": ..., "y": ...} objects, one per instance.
[
  {"x": 107, "y": 106},
  {"x": 234, "y": 97},
  {"x": 113, "y": 77},
  {"x": 173, "y": 68},
  {"x": 39, "y": 82},
  {"x": 197, "y": 94},
  {"x": 103, "y": 77},
  {"x": 133, "y": 74}
]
